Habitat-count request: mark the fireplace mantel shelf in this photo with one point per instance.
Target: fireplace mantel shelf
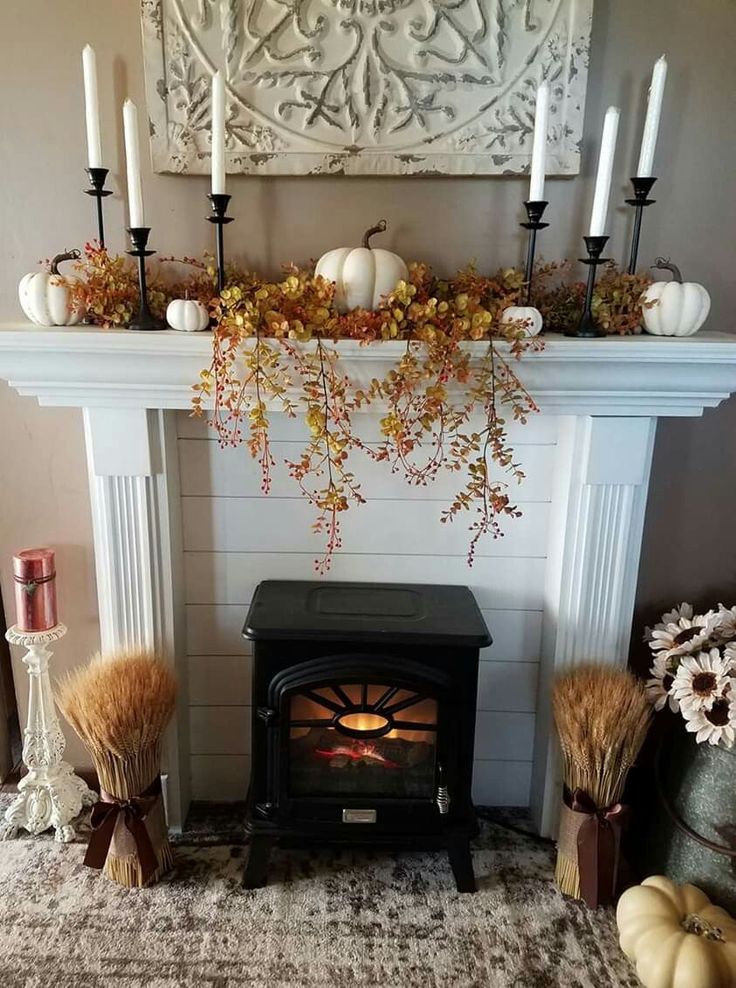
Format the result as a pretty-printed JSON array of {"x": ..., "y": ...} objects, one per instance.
[{"x": 625, "y": 376}]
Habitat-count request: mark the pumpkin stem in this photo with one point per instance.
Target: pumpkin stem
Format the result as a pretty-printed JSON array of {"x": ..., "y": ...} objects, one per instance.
[
  {"x": 67, "y": 255},
  {"x": 664, "y": 264},
  {"x": 380, "y": 227},
  {"x": 700, "y": 927}
]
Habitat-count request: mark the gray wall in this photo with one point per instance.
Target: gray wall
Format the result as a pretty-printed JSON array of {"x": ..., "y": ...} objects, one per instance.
[{"x": 689, "y": 541}]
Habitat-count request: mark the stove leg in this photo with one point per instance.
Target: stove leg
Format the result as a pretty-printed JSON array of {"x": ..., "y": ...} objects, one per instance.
[
  {"x": 254, "y": 876},
  {"x": 461, "y": 862}
]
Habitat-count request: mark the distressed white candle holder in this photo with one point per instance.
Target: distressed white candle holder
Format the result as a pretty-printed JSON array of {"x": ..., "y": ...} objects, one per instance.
[{"x": 50, "y": 794}]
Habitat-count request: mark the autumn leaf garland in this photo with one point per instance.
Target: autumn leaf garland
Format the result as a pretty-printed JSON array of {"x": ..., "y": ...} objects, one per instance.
[{"x": 440, "y": 410}]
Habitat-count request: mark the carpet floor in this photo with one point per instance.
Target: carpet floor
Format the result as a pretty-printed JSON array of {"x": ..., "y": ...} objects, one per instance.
[{"x": 327, "y": 919}]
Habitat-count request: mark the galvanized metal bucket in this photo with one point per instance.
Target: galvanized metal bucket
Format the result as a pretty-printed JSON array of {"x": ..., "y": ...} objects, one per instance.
[{"x": 693, "y": 838}]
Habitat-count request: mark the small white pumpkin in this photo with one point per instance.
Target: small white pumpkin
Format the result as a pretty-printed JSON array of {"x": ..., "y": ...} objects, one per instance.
[
  {"x": 362, "y": 275},
  {"x": 527, "y": 315},
  {"x": 44, "y": 295},
  {"x": 680, "y": 308},
  {"x": 187, "y": 315},
  {"x": 676, "y": 937}
]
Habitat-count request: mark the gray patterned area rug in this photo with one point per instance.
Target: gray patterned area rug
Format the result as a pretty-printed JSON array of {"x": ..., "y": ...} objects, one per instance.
[{"x": 340, "y": 918}]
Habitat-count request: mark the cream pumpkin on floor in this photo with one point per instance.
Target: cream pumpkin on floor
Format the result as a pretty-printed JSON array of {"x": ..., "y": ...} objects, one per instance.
[
  {"x": 676, "y": 937},
  {"x": 362, "y": 275}
]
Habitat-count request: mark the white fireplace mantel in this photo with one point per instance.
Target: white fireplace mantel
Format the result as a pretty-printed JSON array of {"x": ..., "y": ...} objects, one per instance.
[
  {"x": 608, "y": 392},
  {"x": 87, "y": 367}
]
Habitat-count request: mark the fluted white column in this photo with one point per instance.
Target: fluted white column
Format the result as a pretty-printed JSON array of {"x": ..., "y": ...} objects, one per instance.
[
  {"x": 598, "y": 506},
  {"x": 134, "y": 491}
]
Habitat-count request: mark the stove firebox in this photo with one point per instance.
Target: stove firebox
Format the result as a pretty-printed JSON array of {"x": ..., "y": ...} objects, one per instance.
[{"x": 364, "y": 701}]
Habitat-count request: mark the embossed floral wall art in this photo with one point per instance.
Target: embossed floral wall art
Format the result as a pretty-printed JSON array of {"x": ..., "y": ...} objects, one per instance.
[{"x": 366, "y": 86}]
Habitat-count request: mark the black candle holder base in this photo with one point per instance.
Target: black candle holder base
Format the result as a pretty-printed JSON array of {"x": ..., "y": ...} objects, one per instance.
[
  {"x": 642, "y": 188},
  {"x": 97, "y": 178},
  {"x": 219, "y": 202},
  {"x": 145, "y": 320},
  {"x": 587, "y": 328}
]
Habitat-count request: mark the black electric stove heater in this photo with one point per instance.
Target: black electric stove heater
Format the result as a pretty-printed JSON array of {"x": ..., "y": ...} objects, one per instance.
[{"x": 364, "y": 701}]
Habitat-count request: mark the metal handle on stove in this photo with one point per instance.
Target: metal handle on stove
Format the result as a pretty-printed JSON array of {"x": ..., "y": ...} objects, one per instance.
[{"x": 442, "y": 796}]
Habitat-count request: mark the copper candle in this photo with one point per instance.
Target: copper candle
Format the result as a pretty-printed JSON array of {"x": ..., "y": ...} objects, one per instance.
[{"x": 34, "y": 572}]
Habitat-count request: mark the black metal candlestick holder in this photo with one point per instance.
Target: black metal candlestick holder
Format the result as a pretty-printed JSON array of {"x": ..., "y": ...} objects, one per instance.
[
  {"x": 97, "y": 178},
  {"x": 219, "y": 201},
  {"x": 588, "y": 328},
  {"x": 642, "y": 188},
  {"x": 145, "y": 320},
  {"x": 534, "y": 210}
]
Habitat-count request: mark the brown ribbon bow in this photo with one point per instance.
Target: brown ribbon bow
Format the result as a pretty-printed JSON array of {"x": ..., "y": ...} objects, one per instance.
[
  {"x": 104, "y": 818},
  {"x": 598, "y": 841}
]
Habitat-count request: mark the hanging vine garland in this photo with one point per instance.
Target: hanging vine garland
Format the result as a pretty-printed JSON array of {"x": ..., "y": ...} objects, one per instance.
[{"x": 273, "y": 351}]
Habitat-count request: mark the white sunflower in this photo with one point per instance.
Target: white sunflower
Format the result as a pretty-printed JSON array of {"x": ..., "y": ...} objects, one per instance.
[
  {"x": 726, "y": 623},
  {"x": 700, "y": 679},
  {"x": 686, "y": 635},
  {"x": 729, "y": 657},
  {"x": 659, "y": 688},
  {"x": 717, "y": 725},
  {"x": 670, "y": 617}
]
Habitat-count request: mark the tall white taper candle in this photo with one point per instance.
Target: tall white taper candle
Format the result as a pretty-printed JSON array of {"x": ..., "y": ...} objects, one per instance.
[
  {"x": 539, "y": 148},
  {"x": 605, "y": 172},
  {"x": 133, "y": 164},
  {"x": 218, "y": 134},
  {"x": 651, "y": 123},
  {"x": 91, "y": 107}
]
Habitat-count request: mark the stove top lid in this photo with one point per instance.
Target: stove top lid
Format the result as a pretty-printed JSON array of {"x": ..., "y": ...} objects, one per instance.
[{"x": 415, "y": 613}]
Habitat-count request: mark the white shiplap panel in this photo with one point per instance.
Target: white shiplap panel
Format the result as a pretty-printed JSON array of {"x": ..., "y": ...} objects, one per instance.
[
  {"x": 504, "y": 736},
  {"x": 517, "y": 636},
  {"x": 498, "y": 783},
  {"x": 510, "y": 686},
  {"x": 224, "y": 778},
  {"x": 231, "y": 577},
  {"x": 219, "y": 730},
  {"x": 540, "y": 429},
  {"x": 219, "y": 680},
  {"x": 220, "y": 778},
  {"x": 206, "y": 470},
  {"x": 269, "y": 524},
  {"x": 215, "y": 629}
]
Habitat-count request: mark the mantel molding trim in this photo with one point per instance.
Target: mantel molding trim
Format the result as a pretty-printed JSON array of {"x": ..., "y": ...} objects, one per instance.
[{"x": 634, "y": 375}]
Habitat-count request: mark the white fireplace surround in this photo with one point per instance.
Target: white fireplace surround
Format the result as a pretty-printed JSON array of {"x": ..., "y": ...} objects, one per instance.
[{"x": 606, "y": 396}]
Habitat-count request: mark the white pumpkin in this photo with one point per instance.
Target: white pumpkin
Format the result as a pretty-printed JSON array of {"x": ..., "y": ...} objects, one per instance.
[
  {"x": 44, "y": 295},
  {"x": 187, "y": 315},
  {"x": 680, "y": 308},
  {"x": 526, "y": 314},
  {"x": 676, "y": 937},
  {"x": 362, "y": 275}
]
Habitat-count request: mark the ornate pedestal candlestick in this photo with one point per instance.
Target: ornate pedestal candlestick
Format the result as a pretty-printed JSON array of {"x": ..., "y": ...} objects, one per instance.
[
  {"x": 97, "y": 177},
  {"x": 642, "y": 188},
  {"x": 50, "y": 794},
  {"x": 219, "y": 203},
  {"x": 145, "y": 319},
  {"x": 534, "y": 211},
  {"x": 588, "y": 327}
]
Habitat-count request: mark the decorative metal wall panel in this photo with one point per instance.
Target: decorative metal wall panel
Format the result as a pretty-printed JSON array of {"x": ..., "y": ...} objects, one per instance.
[{"x": 366, "y": 87}]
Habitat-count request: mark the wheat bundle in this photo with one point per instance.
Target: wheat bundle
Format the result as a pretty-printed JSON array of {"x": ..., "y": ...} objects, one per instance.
[
  {"x": 120, "y": 706},
  {"x": 602, "y": 716}
]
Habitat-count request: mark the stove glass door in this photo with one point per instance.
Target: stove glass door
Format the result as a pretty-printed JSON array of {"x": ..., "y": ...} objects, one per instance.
[{"x": 362, "y": 739}]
